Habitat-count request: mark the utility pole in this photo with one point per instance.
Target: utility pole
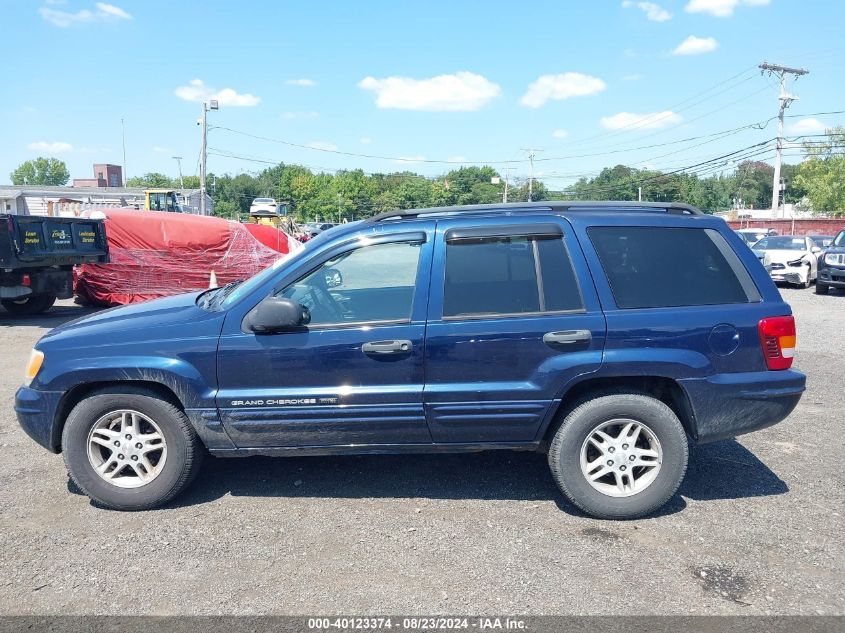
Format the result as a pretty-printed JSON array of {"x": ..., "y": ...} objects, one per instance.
[
  {"x": 123, "y": 137},
  {"x": 507, "y": 178},
  {"x": 784, "y": 101},
  {"x": 531, "y": 155},
  {"x": 206, "y": 106},
  {"x": 178, "y": 160}
]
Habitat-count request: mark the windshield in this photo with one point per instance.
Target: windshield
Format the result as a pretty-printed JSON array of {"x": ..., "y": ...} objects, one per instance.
[
  {"x": 840, "y": 239},
  {"x": 781, "y": 243},
  {"x": 264, "y": 201}
]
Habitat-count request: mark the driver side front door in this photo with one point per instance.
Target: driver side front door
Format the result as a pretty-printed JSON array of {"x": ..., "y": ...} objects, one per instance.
[{"x": 354, "y": 374}]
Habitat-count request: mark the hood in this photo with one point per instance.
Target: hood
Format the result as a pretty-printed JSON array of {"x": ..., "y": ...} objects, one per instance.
[
  {"x": 781, "y": 256},
  {"x": 176, "y": 317}
]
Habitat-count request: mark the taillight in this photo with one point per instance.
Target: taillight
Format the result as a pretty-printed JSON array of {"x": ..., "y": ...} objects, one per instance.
[
  {"x": 777, "y": 338},
  {"x": 26, "y": 280}
]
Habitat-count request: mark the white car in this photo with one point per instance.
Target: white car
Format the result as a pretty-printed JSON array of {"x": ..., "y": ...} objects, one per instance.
[
  {"x": 263, "y": 205},
  {"x": 789, "y": 258}
]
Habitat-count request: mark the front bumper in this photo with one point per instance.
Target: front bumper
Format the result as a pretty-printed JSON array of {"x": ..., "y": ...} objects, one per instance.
[
  {"x": 36, "y": 411},
  {"x": 727, "y": 405},
  {"x": 833, "y": 277},
  {"x": 790, "y": 274}
]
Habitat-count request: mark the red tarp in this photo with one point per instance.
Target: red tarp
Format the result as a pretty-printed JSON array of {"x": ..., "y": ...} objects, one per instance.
[
  {"x": 271, "y": 236},
  {"x": 155, "y": 254}
]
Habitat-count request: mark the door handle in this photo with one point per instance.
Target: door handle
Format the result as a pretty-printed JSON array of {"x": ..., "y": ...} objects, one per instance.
[
  {"x": 567, "y": 337},
  {"x": 387, "y": 347}
]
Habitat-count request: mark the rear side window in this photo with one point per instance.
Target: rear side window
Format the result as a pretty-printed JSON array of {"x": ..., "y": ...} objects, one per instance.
[
  {"x": 650, "y": 267},
  {"x": 508, "y": 275}
]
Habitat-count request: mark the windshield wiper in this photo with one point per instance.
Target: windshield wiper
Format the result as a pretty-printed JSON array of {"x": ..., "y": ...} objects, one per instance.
[{"x": 221, "y": 293}]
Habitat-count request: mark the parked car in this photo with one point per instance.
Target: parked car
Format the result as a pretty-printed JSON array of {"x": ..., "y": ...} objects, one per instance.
[
  {"x": 822, "y": 241},
  {"x": 752, "y": 236},
  {"x": 603, "y": 334},
  {"x": 315, "y": 228},
  {"x": 790, "y": 258},
  {"x": 37, "y": 256},
  {"x": 263, "y": 205},
  {"x": 832, "y": 266}
]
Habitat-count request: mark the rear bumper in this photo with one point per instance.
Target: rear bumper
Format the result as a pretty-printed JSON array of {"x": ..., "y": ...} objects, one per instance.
[
  {"x": 727, "y": 405},
  {"x": 833, "y": 277},
  {"x": 36, "y": 411}
]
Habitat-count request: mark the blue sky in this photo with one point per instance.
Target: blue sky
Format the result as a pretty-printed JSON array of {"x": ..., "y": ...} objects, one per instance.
[{"x": 455, "y": 81}]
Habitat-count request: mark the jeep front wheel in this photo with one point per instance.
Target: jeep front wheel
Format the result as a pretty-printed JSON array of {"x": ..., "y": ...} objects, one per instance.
[
  {"x": 33, "y": 304},
  {"x": 129, "y": 449},
  {"x": 619, "y": 455}
]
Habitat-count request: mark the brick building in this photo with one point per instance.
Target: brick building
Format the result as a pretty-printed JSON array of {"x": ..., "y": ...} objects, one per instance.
[{"x": 105, "y": 175}]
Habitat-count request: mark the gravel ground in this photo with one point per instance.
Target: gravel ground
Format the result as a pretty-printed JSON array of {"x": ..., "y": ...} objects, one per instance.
[{"x": 756, "y": 528}]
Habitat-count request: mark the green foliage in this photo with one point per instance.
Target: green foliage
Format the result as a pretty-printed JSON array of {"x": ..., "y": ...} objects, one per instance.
[
  {"x": 41, "y": 171},
  {"x": 152, "y": 180},
  {"x": 822, "y": 176}
]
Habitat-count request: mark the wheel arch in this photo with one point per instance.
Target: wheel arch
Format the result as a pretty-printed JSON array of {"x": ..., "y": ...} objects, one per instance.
[
  {"x": 78, "y": 393},
  {"x": 662, "y": 388}
]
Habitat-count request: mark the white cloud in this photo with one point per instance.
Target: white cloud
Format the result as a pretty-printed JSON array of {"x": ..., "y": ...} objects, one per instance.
[
  {"x": 300, "y": 115},
  {"x": 103, "y": 13},
  {"x": 365, "y": 140},
  {"x": 807, "y": 126},
  {"x": 721, "y": 8},
  {"x": 323, "y": 145},
  {"x": 696, "y": 46},
  {"x": 57, "y": 147},
  {"x": 559, "y": 133},
  {"x": 197, "y": 91},
  {"x": 558, "y": 87},
  {"x": 653, "y": 12},
  {"x": 457, "y": 159},
  {"x": 647, "y": 121},
  {"x": 461, "y": 91},
  {"x": 632, "y": 77},
  {"x": 307, "y": 83}
]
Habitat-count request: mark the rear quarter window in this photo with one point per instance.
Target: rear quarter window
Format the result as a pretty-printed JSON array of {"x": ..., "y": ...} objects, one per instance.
[{"x": 661, "y": 267}]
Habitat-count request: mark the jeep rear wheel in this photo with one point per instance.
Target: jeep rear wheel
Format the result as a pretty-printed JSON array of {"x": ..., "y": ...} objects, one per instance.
[
  {"x": 619, "y": 455},
  {"x": 33, "y": 304},
  {"x": 130, "y": 450}
]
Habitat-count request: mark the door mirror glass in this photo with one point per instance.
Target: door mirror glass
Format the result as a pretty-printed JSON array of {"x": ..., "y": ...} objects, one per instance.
[
  {"x": 334, "y": 278},
  {"x": 277, "y": 314}
]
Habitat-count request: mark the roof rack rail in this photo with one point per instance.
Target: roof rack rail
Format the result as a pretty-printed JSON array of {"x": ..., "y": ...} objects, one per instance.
[{"x": 679, "y": 208}]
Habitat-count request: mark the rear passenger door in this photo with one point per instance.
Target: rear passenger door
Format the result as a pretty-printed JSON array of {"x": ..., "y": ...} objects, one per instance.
[{"x": 512, "y": 318}]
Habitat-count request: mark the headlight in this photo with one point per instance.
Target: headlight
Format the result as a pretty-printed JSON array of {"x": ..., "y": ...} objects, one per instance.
[
  {"x": 36, "y": 359},
  {"x": 835, "y": 259},
  {"x": 796, "y": 262}
]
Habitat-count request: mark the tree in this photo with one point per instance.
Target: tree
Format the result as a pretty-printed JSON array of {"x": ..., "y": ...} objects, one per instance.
[
  {"x": 822, "y": 175},
  {"x": 151, "y": 180},
  {"x": 41, "y": 171}
]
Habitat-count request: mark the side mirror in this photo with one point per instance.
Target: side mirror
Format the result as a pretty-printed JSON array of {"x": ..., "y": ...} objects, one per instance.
[
  {"x": 816, "y": 249},
  {"x": 277, "y": 314},
  {"x": 333, "y": 278}
]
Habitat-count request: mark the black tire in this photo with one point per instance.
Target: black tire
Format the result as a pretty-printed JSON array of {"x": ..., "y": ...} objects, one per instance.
[
  {"x": 184, "y": 450},
  {"x": 821, "y": 289},
  {"x": 33, "y": 304},
  {"x": 579, "y": 423}
]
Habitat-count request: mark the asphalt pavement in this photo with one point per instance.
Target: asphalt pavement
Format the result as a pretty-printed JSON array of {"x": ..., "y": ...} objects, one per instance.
[{"x": 757, "y": 526}]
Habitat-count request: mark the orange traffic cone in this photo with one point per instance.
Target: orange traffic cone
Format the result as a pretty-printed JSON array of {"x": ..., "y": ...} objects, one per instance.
[{"x": 212, "y": 281}]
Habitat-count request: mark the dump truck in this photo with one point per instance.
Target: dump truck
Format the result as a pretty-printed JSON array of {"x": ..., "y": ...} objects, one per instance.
[{"x": 37, "y": 256}]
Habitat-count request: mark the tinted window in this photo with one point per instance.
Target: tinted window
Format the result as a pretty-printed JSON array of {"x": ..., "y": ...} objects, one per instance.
[
  {"x": 500, "y": 276},
  {"x": 650, "y": 267},
  {"x": 371, "y": 283}
]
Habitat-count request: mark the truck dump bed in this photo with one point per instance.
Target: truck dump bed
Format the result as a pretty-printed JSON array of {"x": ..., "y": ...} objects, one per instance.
[{"x": 37, "y": 242}]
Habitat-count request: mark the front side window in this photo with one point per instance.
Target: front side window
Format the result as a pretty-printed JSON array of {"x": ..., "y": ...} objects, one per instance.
[
  {"x": 508, "y": 275},
  {"x": 658, "y": 267},
  {"x": 369, "y": 284}
]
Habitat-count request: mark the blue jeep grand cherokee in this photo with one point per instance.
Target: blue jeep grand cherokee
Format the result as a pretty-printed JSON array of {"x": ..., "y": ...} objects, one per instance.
[{"x": 604, "y": 334}]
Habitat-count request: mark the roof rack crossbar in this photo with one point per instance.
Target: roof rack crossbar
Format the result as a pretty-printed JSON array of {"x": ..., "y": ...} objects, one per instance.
[{"x": 551, "y": 205}]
